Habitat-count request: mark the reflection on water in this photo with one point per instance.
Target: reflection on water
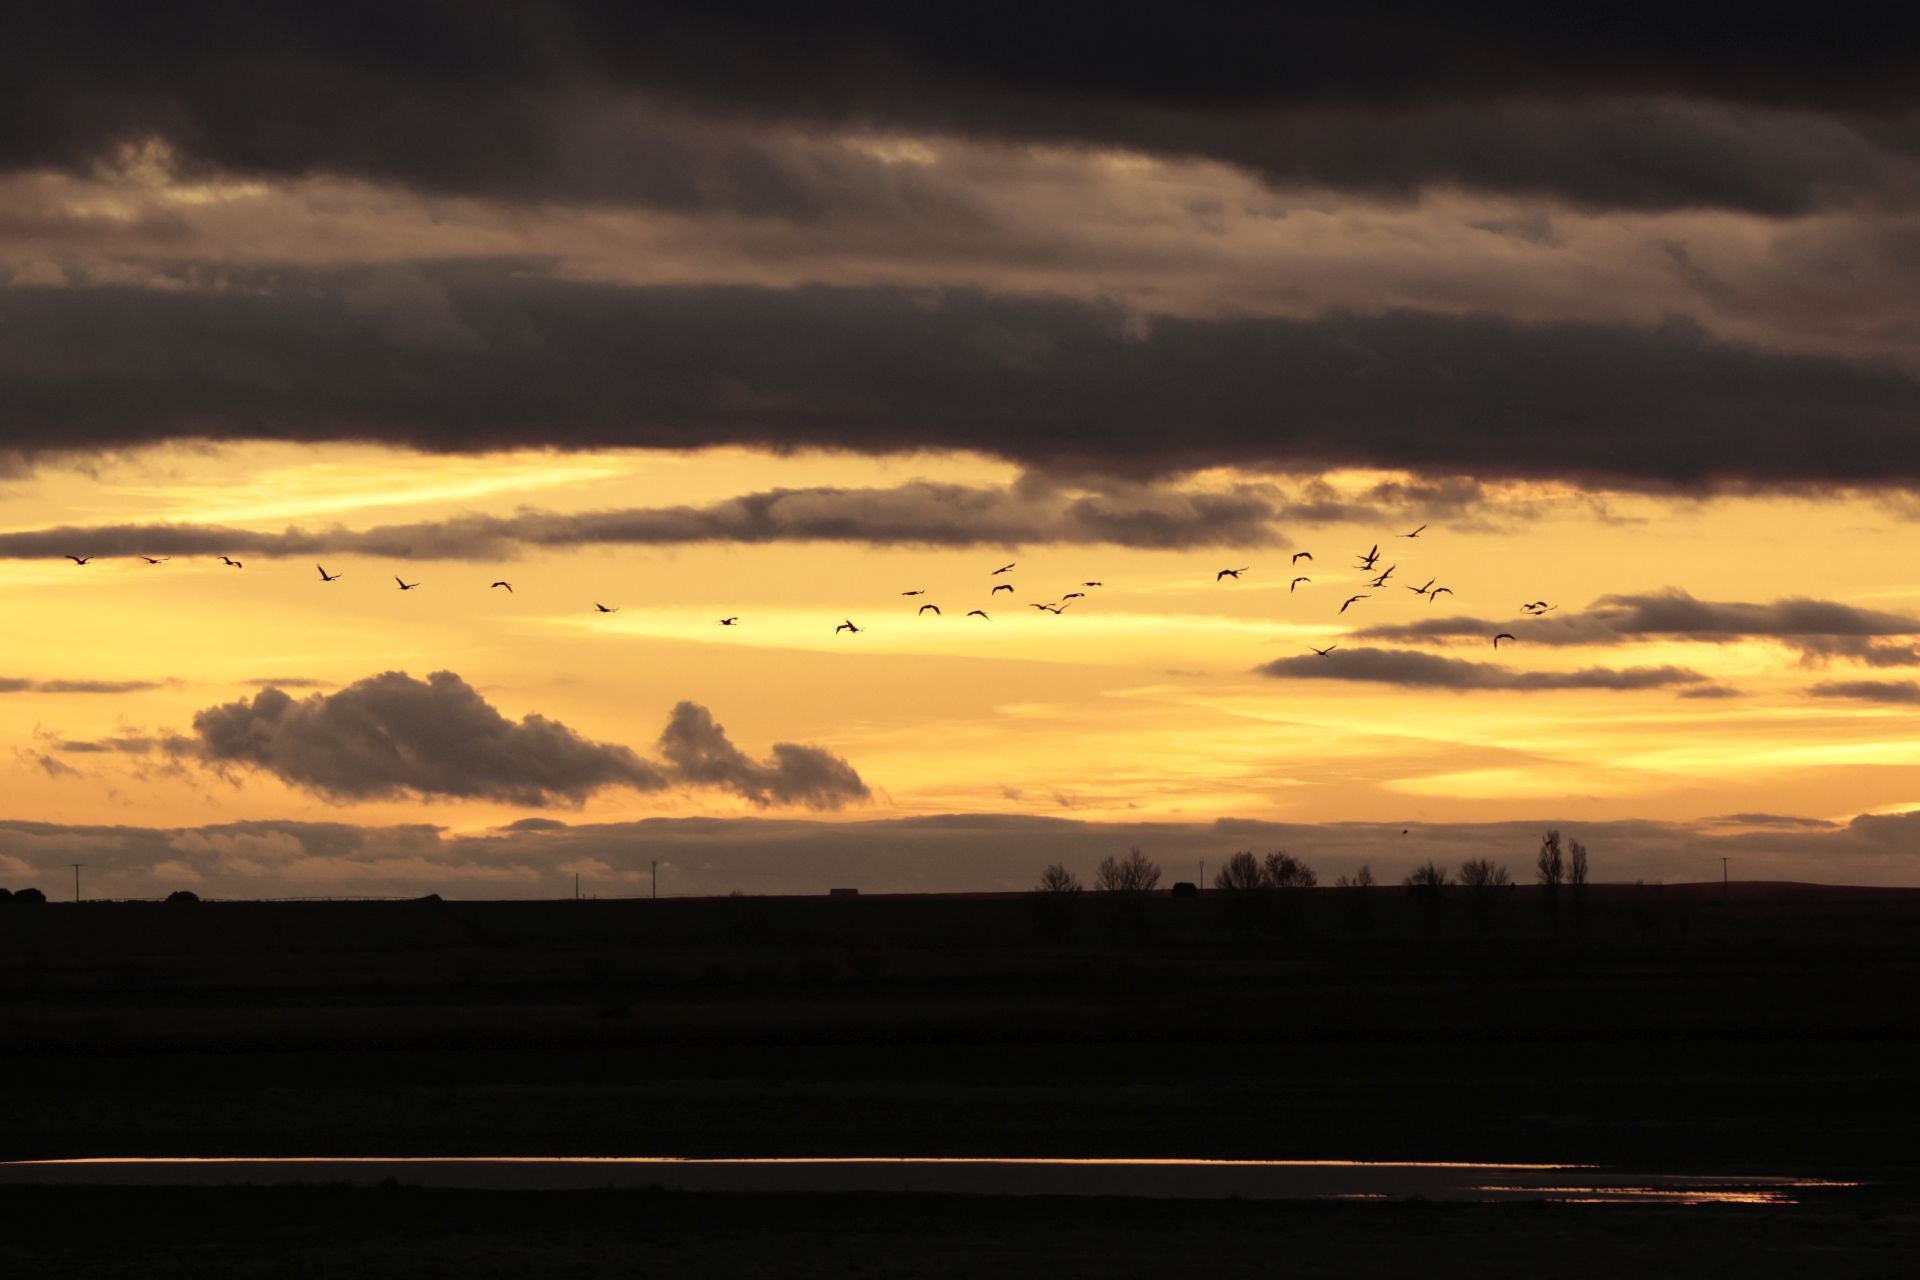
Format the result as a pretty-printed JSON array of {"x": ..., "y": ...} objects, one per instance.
[{"x": 967, "y": 1175}]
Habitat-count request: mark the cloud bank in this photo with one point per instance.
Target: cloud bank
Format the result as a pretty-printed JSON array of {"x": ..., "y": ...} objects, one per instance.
[{"x": 1431, "y": 671}]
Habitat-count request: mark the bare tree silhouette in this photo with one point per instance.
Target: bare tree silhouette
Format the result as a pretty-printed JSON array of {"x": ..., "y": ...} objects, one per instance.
[
  {"x": 1284, "y": 871},
  {"x": 1356, "y": 890},
  {"x": 1430, "y": 877},
  {"x": 1576, "y": 867},
  {"x": 1484, "y": 873},
  {"x": 1134, "y": 873},
  {"x": 1550, "y": 870},
  {"x": 1241, "y": 874},
  {"x": 1057, "y": 879}
]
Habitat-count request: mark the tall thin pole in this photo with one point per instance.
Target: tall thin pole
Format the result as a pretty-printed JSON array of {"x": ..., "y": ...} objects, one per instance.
[
  {"x": 1726, "y": 885},
  {"x": 653, "y": 878},
  {"x": 76, "y": 878},
  {"x": 576, "y": 886}
]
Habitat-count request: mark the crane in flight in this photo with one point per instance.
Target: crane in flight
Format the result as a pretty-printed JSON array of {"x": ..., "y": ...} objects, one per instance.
[
  {"x": 1093, "y": 584},
  {"x": 1420, "y": 591},
  {"x": 1415, "y": 533},
  {"x": 913, "y": 593},
  {"x": 79, "y": 559},
  {"x": 846, "y": 626},
  {"x": 507, "y": 585},
  {"x": 1005, "y": 586},
  {"x": 1367, "y": 560},
  {"x": 229, "y": 560},
  {"x": 160, "y": 560},
  {"x": 405, "y": 586},
  {"x": 327, "y": 577},
  {"x": 1351, "y": 600},
  {"x": 1437, "y": 592},
  {"x": 923, "y": 608},
  {"x": 1005, "y": 568},
  {"x": 1504, "y": 635},
  {"x": 603, "y": 608},
  {"x": 1230, "y": 573},
  {"x": 978, "y": 613},
  {"x": 1296, "y": 582},
  {"x": 727, "y": 622},
  {"x": 1324, "y": 652},
  {"x": 1298, "y": 556}
]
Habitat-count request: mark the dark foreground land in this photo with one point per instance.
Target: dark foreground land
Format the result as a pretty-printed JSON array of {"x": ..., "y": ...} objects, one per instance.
[
  {"x": 1775, "y": 1032},
  {"x": 376, "y": 1233}
]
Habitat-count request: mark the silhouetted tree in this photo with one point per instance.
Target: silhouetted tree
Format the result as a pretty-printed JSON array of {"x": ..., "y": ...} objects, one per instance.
[
  {"x": 5, "y": 894},
  {"x": 1550, "y": 867},
  {"x": 1577, "y": 867},
  {"x": 183, "y": 898},
  {"x": 31, "y": 897},
  {"x": 1432, "y": 877},
  {"x": 1134, "y": 873},
  {"x": 1361, "y": 879},
  {"x": 1241, "y": 874},
  {"x": 1057, "y": 879},
  {"x": 1483, "y": 873},
  {"x": 1284, "y": 871}
]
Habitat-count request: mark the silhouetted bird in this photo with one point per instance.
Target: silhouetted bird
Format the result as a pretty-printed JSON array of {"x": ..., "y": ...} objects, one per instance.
[
  {"x": 1005, "y": 586},
  {"x": 405, "y": 586},
  {"x": 1093, "y": 584},
  {"x": 978, "y": 613},
  {"x": 1074, "y": 595},
  {"x": 1298, "y": 556},
  {"x": 846, "y": 626},
  {"x": 727, "y": 622},
  {"x": 1414, "y": 534},
  {"x": 913, "y": 593},
  {"x": 1002, "y": 569},
  {"x": 1367, "y": 560},
  {"x": 161, "y": 560},
  {"x": 1420, "y": 591},
  {"x": 79, "y": 559},
  {"x": 507, "y": 585},
  {"x": 1324, "y": 652},
  {"x": 923, "y": 608},
  {"x": 1437, "y": 592},
  {"x": 1296, "y": 582},
  {"x": 1381, "y": 581},
  {"x": 1352, "y": 599},
  {"x": 1504, "y": 635},
  {"x": 325, "y": 576},
  {"x": 235, "y": 563},
  {"x": 603, "y": 609},
  {"x": 1230, "y": 573}
]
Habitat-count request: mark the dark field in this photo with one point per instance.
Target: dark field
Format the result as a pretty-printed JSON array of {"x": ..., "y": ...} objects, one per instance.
[
  {"x": 297, "y": 1232},
  {"x": 1667, "y": 1029}
]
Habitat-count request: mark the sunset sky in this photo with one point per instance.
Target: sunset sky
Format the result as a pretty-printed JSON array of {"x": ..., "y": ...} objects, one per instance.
[{"x": 782, "y": 320}]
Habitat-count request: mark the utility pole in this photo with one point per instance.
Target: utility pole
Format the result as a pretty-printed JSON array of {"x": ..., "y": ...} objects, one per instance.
[
  {"x": 653, "y": 879},
  {"x": 1726, "y": 885},
  {"x": 1202, "y": 883},
  {"x": 76, "y": 878},
  {"x": 576, "y": 886}
]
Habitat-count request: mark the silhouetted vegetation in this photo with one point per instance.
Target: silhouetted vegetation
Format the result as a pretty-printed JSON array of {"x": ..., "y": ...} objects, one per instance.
[
  {"x": 1428, "y": 878},
  {"x": 1135, "y": 873},
  {"x": 1356, "y": 893},
  {"x": 183, "y": 898},
  {"x": 29, "y": 897},
  {"x": 1484, "y": 873},
  {"x": 1055, "y": 901},
  {"x": 1241, "y": 874},
  {"x": 1550, "y": 866},
  {"x": 1057, "y": 879}
]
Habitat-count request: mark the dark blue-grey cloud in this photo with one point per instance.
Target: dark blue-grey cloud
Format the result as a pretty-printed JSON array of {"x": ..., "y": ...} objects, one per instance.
[
  {"x": 589, "y": 100},
  {"x": 22, "y": 684},
  {"x": 479, "y": 356},
  {"x": 1413, "y": 669},
  {"x": 392, "y": 735},
  {"x": 1868, "y": 690}
]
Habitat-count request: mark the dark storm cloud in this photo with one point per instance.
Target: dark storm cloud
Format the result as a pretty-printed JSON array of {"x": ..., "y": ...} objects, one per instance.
[
  {"x": 1818, "y": 628},
  {"x": 478, "y": 356},
  {"x": 591, "y": 100},
  {"x": 701, "y": 754},
  {"x": 916, "y": 513},
  {"x": 20, "y": 684},
  {"x": 392, "y": 735},
  {"x": 1869, "y": 690},
  {"x": 1431, "y": 671}
]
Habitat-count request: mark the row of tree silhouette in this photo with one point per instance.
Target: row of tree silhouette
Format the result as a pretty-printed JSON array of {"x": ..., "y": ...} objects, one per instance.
[{"x": 1279, "y": 872}]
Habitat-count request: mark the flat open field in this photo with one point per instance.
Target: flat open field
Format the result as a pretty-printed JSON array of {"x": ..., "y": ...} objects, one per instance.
[{"x": 1667, "y": 1029}]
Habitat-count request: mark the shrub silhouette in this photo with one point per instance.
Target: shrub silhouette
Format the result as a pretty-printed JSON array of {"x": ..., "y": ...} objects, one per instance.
[
  {"x": 1484, "y": 873},
  {"x": 1054, "y": 900},
  {"x": 1057, "y": 879},
  {"x": 1284, "y": 871},
  {"x": 1550, "y": 867},
  {"x": 1134, "y": 873},
  {"x": 32, "y": 897},
  {"x": 1241, "y": 874},
  {"x": 5, "y": 894},
  {"x": 183, "y": 898},
  {"x": 1431, "y": 878},
  {"x": 1356, "y": 891}
]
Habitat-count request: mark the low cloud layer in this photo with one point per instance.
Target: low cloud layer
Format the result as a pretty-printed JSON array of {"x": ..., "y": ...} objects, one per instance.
[
  {"x": 539, "y": 857},
  {"x": 1818, "y": 628},
  {"x": 1431, "y": 671},
  {"x": 392, "y": 735},
  {"x": 483, "y": 356},
  {"x": 1868, "y": 690},
  {"x": 21, "y": 684}
]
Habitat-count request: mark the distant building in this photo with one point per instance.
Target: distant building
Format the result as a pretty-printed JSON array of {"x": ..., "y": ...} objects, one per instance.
[
  {"x": 1184, "y": 889},
  {"x": 843, "y": 893}
]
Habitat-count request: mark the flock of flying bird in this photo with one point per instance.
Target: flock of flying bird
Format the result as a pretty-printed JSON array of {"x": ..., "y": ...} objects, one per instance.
[{"x": 1367, "y": 561}]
